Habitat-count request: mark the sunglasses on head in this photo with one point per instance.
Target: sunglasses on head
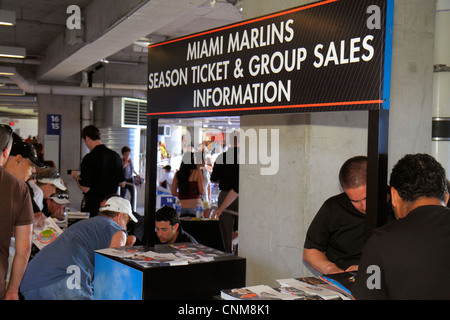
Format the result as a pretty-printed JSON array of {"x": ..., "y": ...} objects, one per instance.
[{"x": 60, "y": 196}]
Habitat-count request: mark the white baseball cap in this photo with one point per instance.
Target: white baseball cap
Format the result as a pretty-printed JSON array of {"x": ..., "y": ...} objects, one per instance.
[
  {"x": 60, "y": 198},
  {"x": 118, "y": 204},
  {"x": 54, "y": 181}
]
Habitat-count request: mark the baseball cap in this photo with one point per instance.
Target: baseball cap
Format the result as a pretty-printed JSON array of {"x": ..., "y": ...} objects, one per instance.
[
  {"x": 118, "y": 204},
  {"x": 54, "y": 181},
  {"x": 26, "y": 150},
  {"x": 60, "y": 198}
]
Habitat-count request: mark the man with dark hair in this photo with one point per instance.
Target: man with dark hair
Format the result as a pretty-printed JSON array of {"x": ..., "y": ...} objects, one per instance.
[
  {"x": 52, "y": 272},
  {"x": 168, "y": 228},
  {"x": 101, "y": 171},
  {"x": 16, "y": 217},
  {"x": 90, "y": 132},
  {"x": 408, "y": 259},
  {"x": 335, "y": 238}
]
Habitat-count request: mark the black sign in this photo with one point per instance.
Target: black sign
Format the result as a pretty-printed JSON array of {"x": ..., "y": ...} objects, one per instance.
[{"x": 325, "y": 56}]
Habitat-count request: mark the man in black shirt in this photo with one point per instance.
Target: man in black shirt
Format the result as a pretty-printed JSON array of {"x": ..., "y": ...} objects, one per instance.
[
  {"x": 168, "y": 228},
  {"x": 101, "y": 171},
  {"x": 408, "y": 259},
  {"x": 226, "y": 172},
  {"x": 335, "y": 238}
]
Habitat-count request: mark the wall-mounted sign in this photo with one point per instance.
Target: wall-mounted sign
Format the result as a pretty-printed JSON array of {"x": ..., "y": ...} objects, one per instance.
[
  {"x": 52, "y": 140},
  {"x": 328, "y": 55}
]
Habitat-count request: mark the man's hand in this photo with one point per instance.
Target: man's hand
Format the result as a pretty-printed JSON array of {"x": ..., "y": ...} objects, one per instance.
[
  {"x": 352, "y": 268},
  {"x": 39, "y": 220},
  {"x": 11, "y": 296},
  {"x": 75, "y": 174}
]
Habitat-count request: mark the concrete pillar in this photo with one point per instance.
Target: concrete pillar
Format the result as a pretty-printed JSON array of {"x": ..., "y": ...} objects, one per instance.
[
  {"x": 412, "y": 78},
  {"x": 69, "y": 109}
]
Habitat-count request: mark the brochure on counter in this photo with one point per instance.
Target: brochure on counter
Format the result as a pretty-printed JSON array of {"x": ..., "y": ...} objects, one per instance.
[
  {"x": 264, "y": 292},
  {"x": 183, "y": 253},
  {"x": 306, "y": 288},
  {"x": 315, "y": 286},
  {"x": 47, "y": 234}
]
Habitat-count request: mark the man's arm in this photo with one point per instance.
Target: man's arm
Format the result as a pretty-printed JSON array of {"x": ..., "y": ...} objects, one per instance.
[
  {"x": 119, "y": 239},
  {"x": 319, "y": 261},
  {"x": 231, "y": 196},
  {"x": 75, "y": 175},
  {"x": 20, "y": 262}
]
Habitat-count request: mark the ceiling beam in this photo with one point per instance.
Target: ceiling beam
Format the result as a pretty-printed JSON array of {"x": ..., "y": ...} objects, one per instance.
[{"x": 107, "y": 32}]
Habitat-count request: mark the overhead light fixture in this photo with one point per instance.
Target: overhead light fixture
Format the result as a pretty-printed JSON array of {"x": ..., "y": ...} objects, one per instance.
[
  {"x": 11, "y": 92},
  {"x": 7, "y": 18},
  {"x": 18, "y": 99},
  {"x": 7, "y": 71},
  {"x": 12, "y": 52}
]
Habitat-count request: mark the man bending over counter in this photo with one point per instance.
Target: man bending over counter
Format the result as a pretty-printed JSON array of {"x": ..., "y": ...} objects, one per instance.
[
  {"x": 335, "y": 238},
  {"x": 408, "y": 259}
]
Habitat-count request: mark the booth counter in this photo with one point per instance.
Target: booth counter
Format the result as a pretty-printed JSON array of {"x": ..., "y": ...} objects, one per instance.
[{"x": 180, "y": 271}]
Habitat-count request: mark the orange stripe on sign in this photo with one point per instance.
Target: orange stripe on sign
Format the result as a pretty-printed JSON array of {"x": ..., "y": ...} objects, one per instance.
[{"x": 311, "y": 105}]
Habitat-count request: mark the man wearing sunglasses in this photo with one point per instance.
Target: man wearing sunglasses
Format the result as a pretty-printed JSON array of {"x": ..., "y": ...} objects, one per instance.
[
  {"x": 16, "y": 214},
  {"x": 56, "y": 205},
  {"x": 46, "y": 183}
]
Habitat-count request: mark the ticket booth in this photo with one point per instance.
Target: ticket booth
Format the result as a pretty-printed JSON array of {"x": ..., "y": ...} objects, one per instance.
[{"x": 326, "y": 56}]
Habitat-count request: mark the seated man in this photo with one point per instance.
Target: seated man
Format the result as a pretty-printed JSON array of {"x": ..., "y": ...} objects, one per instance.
[
  {"x": 336, "y": 236},
  {"x": 64, "y": 269},
  {"x": 46, "y": 183},
  {"x": 55, "y": 206},
  {"x": 168, "y": 228},
  {"x": 407, "y": 259}
]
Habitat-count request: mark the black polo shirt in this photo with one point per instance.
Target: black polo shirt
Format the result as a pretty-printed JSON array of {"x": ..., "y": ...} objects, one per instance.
[
  {"x": 412, "y": 255},
  {"x": 182, "y": 237},
  {"x": 101, "y": 172},
  {"x": 226, "y": 170},
  {"x": 338, "y": 230}
]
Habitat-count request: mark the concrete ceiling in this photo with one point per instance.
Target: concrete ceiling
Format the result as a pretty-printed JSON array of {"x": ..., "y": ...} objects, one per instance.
[{"x": 111, "y": 30}]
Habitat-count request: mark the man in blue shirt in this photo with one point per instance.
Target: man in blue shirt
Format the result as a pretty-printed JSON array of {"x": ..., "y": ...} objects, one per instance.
[{"x": 64, "y": 269}]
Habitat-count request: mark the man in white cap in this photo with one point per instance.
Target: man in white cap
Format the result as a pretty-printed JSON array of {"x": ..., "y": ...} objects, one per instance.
[
  {"x": 64, "y": 269},
  {"x": 56, "y": 205},
  {"x": 45, "y": 184}
]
